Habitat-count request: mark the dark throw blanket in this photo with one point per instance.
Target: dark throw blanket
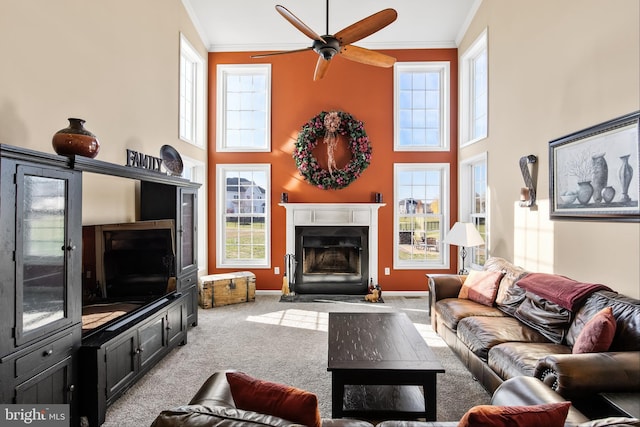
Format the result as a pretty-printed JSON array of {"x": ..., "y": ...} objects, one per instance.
[{"x": 565, "y": 292}]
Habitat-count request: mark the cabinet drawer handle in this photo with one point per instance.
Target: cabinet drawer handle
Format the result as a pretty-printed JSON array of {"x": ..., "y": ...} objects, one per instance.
[
  {"x": 47, "y": 353},
  {"x": 72, "y": 388}
]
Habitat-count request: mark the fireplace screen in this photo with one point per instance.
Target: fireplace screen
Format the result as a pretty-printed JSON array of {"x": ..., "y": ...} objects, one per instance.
[{"x": 333, "y": 259}]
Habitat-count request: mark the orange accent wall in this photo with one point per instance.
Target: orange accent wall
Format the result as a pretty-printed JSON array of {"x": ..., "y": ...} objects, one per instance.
[{"x": 366, "y": 93}]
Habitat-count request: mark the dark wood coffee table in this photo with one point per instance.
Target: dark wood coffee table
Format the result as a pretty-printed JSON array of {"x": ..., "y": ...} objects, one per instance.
[{"x": 379, "y": 361}]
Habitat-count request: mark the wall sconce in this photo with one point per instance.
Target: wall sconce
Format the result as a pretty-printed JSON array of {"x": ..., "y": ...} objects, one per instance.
[{"x": 528, "y": 192}]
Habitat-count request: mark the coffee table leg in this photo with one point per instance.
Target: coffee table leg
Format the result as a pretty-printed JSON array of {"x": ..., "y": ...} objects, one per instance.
[
  {"x": 337, "y": 395},
  {"x": 430, "y": 397}
]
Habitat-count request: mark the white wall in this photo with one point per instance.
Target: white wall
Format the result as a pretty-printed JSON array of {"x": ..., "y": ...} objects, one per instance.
[
  {"x": 113, "y": 63},
  {"x": 556, "y": 67}
]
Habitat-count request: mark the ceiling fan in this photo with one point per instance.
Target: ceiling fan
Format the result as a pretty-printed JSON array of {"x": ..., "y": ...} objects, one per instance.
[{"x": 327, "y": 46}]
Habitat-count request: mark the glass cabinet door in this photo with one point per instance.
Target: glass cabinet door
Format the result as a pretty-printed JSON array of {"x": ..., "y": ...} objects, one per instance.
[
  {"x": 188, "y": 229},
  {"x": 43, "y": 247}
]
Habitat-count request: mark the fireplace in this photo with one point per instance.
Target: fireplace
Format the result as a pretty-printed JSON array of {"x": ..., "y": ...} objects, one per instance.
[
  {"x": 332, "y": 259},
  {"x": 335, "y": 246}
]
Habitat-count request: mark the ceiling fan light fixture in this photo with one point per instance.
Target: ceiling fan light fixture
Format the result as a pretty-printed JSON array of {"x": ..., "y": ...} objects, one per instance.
[{"x": 328, "y": 49}]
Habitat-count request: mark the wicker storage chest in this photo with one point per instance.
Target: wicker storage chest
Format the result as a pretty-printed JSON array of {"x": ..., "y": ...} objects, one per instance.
[{"x": 216, "y": 290}]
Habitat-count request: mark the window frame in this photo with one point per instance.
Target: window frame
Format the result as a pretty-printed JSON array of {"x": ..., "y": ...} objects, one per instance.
[
  {"x": 221, "y": 191},
  {"x": 445, "y": 170},
  {"x": 224, "y": 70},
  {"x": 444, "y": 70},
  {"x": 196, "y": 91},
  {"x": 467, "y": 203},
  {"x": 468, "y": 91}
]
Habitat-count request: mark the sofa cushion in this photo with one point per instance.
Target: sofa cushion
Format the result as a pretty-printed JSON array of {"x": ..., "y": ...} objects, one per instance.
[
  {"x": 481, "y": 286},
  {"x": 274, "y": 399},
  {"x": 626, "y": 310},
  {"x": 597, "y": 334},
  {"x": 511, "y": 274},
  {"x": 479, "y": 334},
  {"x": 547, "y": 317},
  {"x": 452, "y": 310},
  {"x": 513, "y": 359},
  {"x": 217, "y": 416},
  {"x": 548, "y": 415}
]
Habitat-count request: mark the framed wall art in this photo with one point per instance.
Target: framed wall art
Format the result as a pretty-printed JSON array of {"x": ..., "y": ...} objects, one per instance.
[{"x": 594, "y": 173}]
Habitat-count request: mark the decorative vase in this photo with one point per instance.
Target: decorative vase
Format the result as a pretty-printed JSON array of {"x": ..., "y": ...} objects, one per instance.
[
  {"x": 625, "y": 174},
  {"x": 585, "y": 191},
  {"x": 600, "y": 176},
  {"x": 608, "y": 193},
  {"x": 75, "y": 139}
]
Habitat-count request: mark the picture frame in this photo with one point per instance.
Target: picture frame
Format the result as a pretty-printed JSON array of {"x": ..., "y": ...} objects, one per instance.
[{"x": 594, "y": 173}]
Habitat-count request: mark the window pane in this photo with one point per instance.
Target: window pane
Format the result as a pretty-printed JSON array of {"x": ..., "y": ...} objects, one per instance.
[
  {"x": 244, "y": 231},
  {"x": 419, "y": 109},
  {"x": 418, "y": 214},
  {"x": 244, "y": 96}
]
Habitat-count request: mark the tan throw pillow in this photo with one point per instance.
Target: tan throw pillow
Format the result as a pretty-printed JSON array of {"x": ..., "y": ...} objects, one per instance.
[
  {"x": 597, "y": 334},
  {"x": 279, "y": 400},
  {"x": 547, "y": 415},
  {"x": 481, "y": 286}
]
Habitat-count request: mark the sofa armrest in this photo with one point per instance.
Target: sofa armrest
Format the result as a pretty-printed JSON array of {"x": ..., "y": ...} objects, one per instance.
[
  {"x": 527, "y": 391},
  {"x": 443, "y": 286},
  {"x": 574, "y": 375},
  {"x": 214, "y": 392}
]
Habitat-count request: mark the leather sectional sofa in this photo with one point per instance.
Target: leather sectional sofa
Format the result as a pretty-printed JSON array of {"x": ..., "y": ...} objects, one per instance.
[
  {"x": 213, "y": 405},
  {"x": 509, "y": 338}
]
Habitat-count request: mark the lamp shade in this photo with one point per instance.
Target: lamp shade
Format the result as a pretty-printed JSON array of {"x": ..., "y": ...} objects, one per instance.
[{"x": 464, "y": 234}]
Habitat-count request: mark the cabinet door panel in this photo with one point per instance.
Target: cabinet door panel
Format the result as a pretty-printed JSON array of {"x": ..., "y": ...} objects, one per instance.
[
  {"x": 46, "y": 253},
  {"x": 51, "y": 386},
  {"x": 152, "y": 341},
  {"x": 187, "y": 229},
  {"x": 176, "y": 323},
  {"x": 120, "y": 363}
]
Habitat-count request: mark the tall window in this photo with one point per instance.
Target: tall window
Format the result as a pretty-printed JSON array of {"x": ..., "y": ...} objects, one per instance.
[
  {"x": 192, "y": 94},
  {"x": 474, "y": 92},
  {"x": 421, "y": 209},
  {"x": 244, "y": 107},
  {"x": 473, "y": 203},
  {"x": 243, "y": 215},
  {"x": 421, "y": 106}
]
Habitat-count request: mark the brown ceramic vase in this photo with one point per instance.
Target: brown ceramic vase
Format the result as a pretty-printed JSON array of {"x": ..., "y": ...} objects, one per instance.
[{"x": 75, "y": 139}]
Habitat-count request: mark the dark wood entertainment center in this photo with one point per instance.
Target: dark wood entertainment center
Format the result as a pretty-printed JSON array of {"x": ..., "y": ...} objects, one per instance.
[{"x": 45, "y": 355}]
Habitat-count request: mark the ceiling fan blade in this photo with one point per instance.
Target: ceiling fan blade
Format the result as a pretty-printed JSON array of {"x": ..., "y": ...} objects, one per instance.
[
  {"x": 284, "y": 52},
  {"x": 322, "y": 66},
  {"x": 366, "y": 26},
  {"x": 296, "y": 22},
  {"x": 366, "y": 56}
]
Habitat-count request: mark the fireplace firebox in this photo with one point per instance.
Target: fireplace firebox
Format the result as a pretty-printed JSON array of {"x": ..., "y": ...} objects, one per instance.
[{"x": 332, "y": 259}]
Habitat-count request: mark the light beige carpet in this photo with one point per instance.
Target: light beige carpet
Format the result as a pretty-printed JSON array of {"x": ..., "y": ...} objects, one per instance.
[{"x": 282, "y": 342}]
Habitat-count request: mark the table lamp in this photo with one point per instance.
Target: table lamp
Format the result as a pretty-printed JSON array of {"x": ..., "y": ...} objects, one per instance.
[{"x": 464, "y": 234}]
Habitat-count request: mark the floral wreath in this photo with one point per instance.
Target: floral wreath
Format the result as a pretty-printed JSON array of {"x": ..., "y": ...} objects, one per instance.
[{"x": 328, "y": 125}]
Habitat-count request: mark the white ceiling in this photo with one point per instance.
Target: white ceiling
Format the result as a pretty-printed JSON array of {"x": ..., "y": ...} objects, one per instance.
[{"x": 255, "y": 25}]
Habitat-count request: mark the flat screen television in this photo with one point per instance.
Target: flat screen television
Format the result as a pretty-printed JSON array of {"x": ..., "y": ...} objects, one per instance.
[
  {"x": 135, "y": 259},
  {"x": 130, "y": 265}
]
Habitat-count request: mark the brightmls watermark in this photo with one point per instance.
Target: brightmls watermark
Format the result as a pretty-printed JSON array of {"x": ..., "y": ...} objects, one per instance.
[{"x": 34, "y": 415}]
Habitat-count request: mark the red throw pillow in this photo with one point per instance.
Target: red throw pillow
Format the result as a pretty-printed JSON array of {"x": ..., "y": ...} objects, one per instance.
[
  {"x": 279, "y": 400},
  {"x": 597, "y": 334},
  {"x": 481, "y": 286},
  {"x": 548, "y": 415}
]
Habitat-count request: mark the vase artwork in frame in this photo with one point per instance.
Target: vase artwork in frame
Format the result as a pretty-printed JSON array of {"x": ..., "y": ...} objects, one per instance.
[{"x": 594, "y": 173}]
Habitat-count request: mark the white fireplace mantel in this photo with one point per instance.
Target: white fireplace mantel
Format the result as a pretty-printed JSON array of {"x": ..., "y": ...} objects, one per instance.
[{"x": 335, "y": 214}]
